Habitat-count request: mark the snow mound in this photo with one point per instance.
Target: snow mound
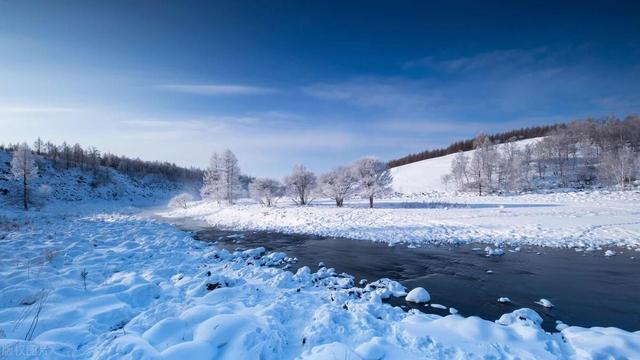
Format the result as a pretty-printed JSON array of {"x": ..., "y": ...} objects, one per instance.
[
  {"x": 544, "y": 302},
  {"x": 418, "y": 295}
]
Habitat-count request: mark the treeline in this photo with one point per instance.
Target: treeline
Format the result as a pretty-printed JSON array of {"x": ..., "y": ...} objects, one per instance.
[
  {"x": 466, "y": 145},
  {"x": 367, "y": 177},
  {"x": 68, "y": 156},
  {"x": 577, "y": 154}
]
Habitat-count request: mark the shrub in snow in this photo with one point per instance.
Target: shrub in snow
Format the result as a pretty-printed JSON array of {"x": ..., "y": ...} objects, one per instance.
[
  {"x": 44, "y": 191},
  {"x": 180, "y": 201},
  {"x": 418, "y": 295},
  {"x": 300, "y": 184},
  {"x": 266, "y": 191}
]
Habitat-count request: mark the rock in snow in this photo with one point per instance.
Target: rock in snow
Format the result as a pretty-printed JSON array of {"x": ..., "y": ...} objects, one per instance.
[
  {"x": 544, "y": 302},
  {"x": 609, "y": 253},
  {"x": 418, "y": 295},
  {"x": 504, "y": 300}
]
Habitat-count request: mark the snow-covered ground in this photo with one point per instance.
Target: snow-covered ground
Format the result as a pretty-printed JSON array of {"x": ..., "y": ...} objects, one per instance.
[
  {"x": 153, "y": 292},
  {"x": 563, "y": 219}
]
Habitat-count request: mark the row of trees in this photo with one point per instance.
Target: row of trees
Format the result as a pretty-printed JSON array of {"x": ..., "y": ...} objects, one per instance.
[
  {"x": 367, "y": 177},
  {"x": 469, "y": 144},
  {"x": 579, "y": 153},
  {"x": 67, "y": 156}
]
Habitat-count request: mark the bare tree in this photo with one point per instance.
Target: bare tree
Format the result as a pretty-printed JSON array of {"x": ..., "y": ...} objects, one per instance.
[
  {"x": 300, "y": 184},
  {"x": 373, "y": 176},
  {"x": 266, "y": 191},
  {"x": 38, "y": 146},
  {"x": 23, "y": 167}
]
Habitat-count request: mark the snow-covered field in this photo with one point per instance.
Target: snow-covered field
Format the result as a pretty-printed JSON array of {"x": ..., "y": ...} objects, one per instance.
[
  {"x": 152, "y": 292},
  {"x": 571, "y": 219}
]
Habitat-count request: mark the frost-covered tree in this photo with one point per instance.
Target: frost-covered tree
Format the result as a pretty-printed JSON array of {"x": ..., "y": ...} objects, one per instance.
[
  {"x": 511, "y": 167},
  {"x": 212, "y": 180},
  {"x": 66, "y": 153},
  {"x": 373, "y": 177},
  {"x": 618, "y": 166},
  {"x": 483, "y": 163},
  {"x": 300, "y": 184},
  {"x": 24, "y": 168},
  {"x": 338, "y": 184},
  {"x": 38, "y": 146},
  {"x": 231, "y": 176},
  {"x": 460, "y": 169},
  {"x": 266, "y": 191},
  {"x": 221, "y": 180},
  {"x": 180, "y": 200}
]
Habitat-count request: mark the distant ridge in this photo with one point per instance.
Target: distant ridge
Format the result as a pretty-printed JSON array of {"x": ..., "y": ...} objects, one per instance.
[{"x": 466, "y": 145}]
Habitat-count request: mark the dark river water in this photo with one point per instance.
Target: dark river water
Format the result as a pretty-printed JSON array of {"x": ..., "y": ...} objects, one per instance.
[{"x": 587, "y": 288}]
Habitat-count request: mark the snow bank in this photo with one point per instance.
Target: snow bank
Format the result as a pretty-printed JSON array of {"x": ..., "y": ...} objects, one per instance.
[
  {"x": 573, "y": 219},
  {"x": 152, "y": 292}
]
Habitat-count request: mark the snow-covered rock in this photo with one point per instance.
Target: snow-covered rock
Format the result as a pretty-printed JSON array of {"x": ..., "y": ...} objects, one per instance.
[
  {"x": 544, "y": 302},
  {"x": 504, "y": 300},
  {"x": 418, "y": 295}
]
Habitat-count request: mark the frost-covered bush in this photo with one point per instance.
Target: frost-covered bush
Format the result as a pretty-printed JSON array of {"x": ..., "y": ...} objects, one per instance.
[
  {"x": 180, "y": 201},
  {"x": 266, "y": 191}
]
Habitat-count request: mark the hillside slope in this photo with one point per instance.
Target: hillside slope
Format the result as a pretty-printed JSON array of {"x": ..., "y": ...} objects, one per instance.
[
  {"x": 57, "y": 185},
  {"x": 425, "y": 176}
]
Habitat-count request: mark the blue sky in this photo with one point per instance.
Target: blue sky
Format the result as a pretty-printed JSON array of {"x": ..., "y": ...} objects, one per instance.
[{"x": 320, "y": 83}]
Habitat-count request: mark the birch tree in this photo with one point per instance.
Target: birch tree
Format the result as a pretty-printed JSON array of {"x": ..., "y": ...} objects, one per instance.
[
  {"x": 618, "y": 166},
  {"x": 24, "y": 168}
]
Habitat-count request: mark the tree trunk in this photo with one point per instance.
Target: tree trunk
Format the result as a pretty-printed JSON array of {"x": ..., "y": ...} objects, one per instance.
[
  {"x": 24, "y": 191},
  {"x": 370, "y": 202}
]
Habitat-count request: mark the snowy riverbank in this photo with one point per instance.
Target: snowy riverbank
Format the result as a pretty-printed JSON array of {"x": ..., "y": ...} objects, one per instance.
[
  {"x": 573, "y": 219},
  {"x": 154, "y": 292}
]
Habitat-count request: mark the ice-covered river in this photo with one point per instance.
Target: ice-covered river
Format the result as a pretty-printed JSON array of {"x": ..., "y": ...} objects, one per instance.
[{"x": 587, "y": 288}]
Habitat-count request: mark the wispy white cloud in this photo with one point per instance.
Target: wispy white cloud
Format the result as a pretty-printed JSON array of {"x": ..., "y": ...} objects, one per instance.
[
  {"x": 496, "y": 59},
  {"x": 218, "y": 89},
  {"x": 30, "y": 109},
  {"x": 378, "y": 92}
]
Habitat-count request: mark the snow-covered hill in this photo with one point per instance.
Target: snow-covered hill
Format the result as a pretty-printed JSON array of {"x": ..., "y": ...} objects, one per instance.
[
  {"x": 57, "y": 185},
  {"x": 424, "y": 177}
]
